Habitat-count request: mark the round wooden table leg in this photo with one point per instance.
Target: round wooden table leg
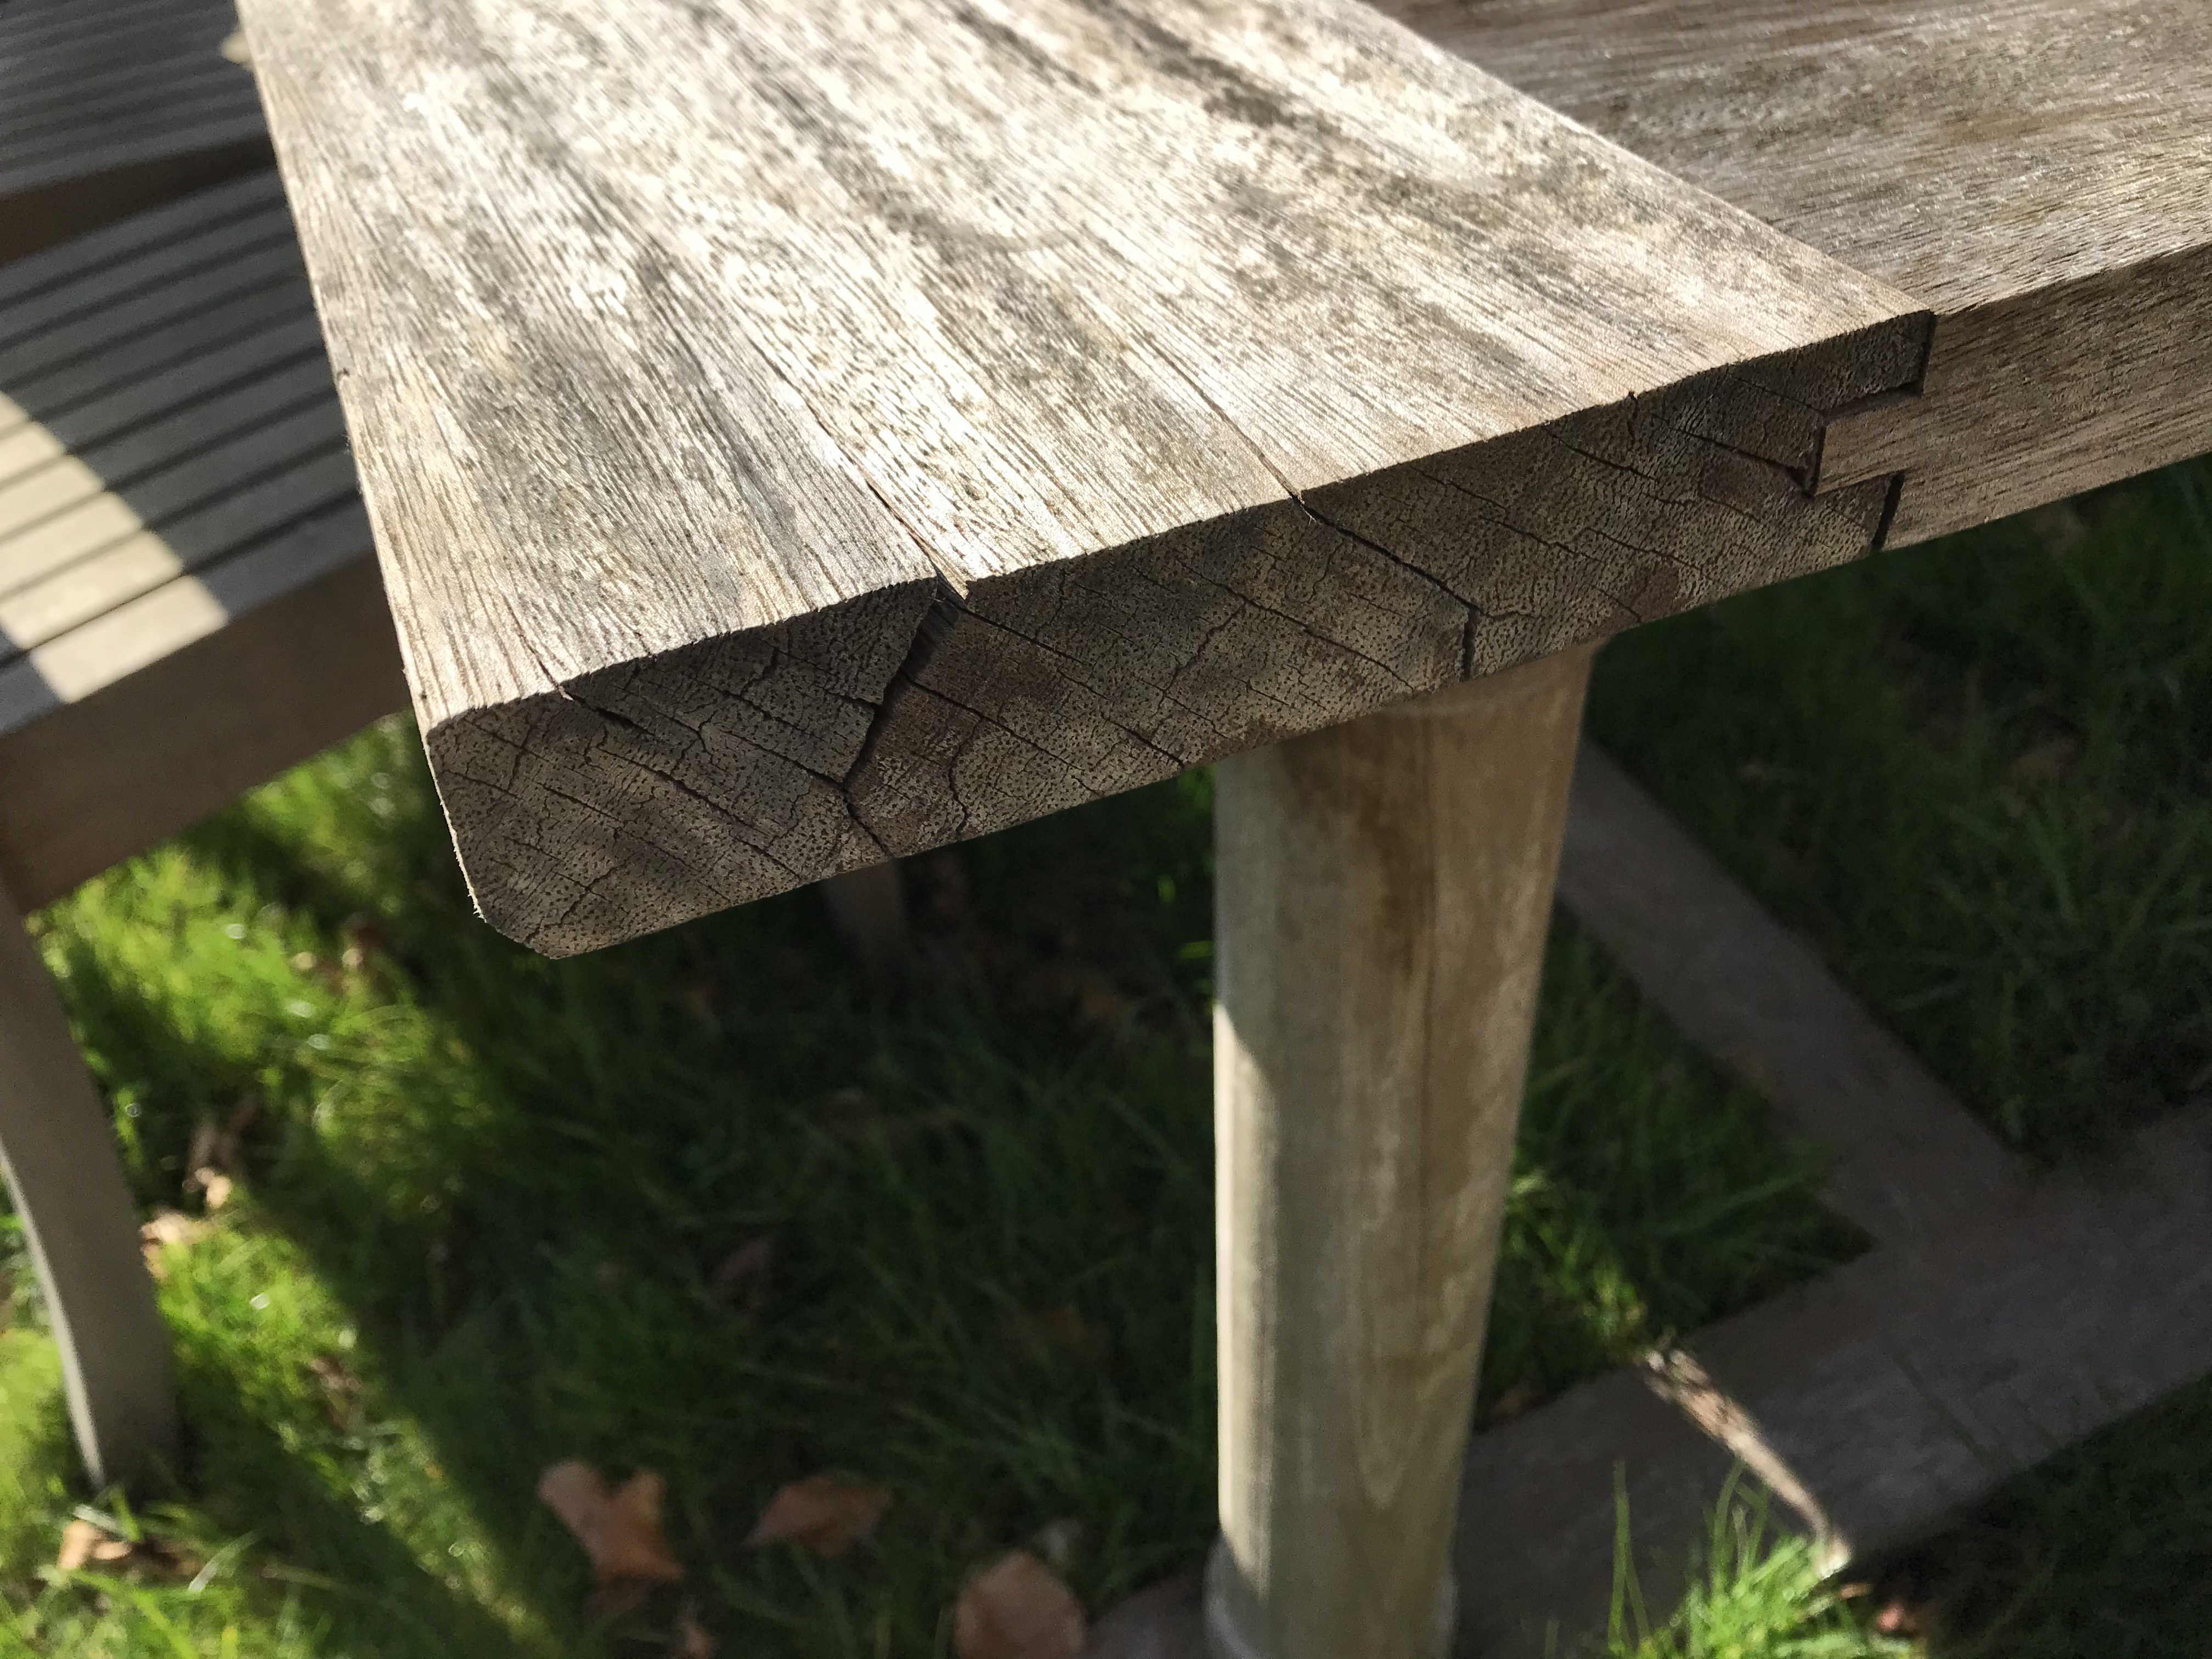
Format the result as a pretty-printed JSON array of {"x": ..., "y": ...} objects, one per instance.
[{"x": 1384, "y": 891}]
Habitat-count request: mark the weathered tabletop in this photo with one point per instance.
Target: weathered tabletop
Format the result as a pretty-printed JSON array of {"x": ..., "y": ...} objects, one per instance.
[
  {"x": 802, "y": 431},
  {"x": 797, "y": 433}
]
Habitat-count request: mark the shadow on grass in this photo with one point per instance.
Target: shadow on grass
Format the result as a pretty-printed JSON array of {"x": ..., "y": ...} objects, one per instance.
[{"x": 989, "y": 1198}]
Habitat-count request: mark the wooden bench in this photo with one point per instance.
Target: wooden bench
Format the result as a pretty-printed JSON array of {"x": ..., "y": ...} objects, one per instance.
[
  {"x": 187, "y": 606},
  {"x": 109, "y": 107}
]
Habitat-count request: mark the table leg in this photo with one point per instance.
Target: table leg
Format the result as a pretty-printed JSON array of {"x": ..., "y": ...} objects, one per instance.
[
  {"x": 57, "y": 1151},
  {"x": 1385, "y": 890}
]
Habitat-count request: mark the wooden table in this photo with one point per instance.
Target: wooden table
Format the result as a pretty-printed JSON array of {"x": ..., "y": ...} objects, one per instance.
[{"x": 803, "y": 434}]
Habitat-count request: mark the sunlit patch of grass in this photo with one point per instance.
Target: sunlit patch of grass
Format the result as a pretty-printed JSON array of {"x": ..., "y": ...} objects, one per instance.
[
  {"x": 1754, "y": 1593},
  {"x": 480, "y": 1209}
]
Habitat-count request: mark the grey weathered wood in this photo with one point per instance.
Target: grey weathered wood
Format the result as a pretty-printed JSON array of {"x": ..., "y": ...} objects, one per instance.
[
  {"x": 187, "y": 606},
  {"x": 1884, "y": 1397},
  {"x": 2041, "y": 170},
  {"x": 1383, "y": 893},
  {"x": 58, "y": 1149},
  {"x": 107, "y": 108},
  {"x": 802, "y": 433},
  {"x": 1908, "y": 1158},
  {"x": 188, "y": 603}
]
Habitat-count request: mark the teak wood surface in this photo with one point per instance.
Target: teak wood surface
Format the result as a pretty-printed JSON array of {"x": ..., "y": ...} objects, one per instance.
[
  {"x": 2039, "y": 170},
  {"x": 800, "y": 433}
]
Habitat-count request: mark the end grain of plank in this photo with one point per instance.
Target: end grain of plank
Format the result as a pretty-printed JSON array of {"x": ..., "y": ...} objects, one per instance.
[{"x": 800, "y": 433}]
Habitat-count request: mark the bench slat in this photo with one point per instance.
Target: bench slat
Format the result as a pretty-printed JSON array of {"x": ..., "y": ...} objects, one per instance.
[
  {"x": 181, "y": 438},
  {"x": 117, "y": 567}
]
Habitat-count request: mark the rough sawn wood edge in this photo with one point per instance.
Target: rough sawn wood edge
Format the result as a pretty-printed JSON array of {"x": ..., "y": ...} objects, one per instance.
[{"x": 644, "y": 795}]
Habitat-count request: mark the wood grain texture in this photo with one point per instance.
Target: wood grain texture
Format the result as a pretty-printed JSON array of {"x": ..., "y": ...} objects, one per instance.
[
  {"x": 2039, "y": 171},
  {"x": 1906, "y": 1158},
  {"x": 802, "y": 433},
  {"x": 1888, "y": 1395},
  {"x": 1384, "y": 892},
  {"x": 110, "y": 107}
]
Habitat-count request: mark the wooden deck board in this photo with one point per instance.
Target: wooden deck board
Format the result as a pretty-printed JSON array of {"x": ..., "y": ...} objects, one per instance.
[
  {"x": 952, "y": 414},
  {"x": 2039, "y": 171}
]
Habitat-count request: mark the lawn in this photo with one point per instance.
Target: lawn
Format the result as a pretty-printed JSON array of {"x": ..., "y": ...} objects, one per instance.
[{"x": 491, "y": 1212}]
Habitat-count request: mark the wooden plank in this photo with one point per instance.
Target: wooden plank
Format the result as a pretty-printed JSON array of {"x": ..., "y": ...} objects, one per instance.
[
  {"x": 1907, "y": 1157},
  {"x": 2041, "y": 170},
  {"x": 198, "y": 509},
  {"x": 1882, "y": 1399},
  {"x": 956, "y": 413},
  {"x": 249, "y": 669},
  {"x": 212, "y": 425},
  {"x": 26, "y": 359},
  {"x": 175, "y": 226},
  {"x": 108, "y": 108},
  {"x": 89, "y": 426},
  {"x": 175, "y": 344}
]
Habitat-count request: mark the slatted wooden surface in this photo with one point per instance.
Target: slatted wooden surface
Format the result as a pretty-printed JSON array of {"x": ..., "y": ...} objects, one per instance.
[
  {"x": 107, "y": 106},
  {"x": 2041, "y": 170},
  {"x": 799, "y": 432},
  {"x": 172, "y": 460}
]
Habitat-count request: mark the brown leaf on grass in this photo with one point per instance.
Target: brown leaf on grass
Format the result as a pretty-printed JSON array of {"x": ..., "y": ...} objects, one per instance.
[
  {"x": 82, "y": 1541},
  {"x": 619, "y": 1527},
  {"x": 692, "y": 1640},
  {"x": 743, "y": 1275},
  {"x": 79, "y": 1538},
  {"x": 168, "y": 1229},
  {"x": 822, "y": 1514},
  {"x": 2047, "y": 762},
  {"x": 1017, "y": 1608}
]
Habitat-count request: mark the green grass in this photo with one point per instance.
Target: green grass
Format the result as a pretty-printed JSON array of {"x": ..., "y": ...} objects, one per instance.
[
  {"x": 486, "y": 1194},
  {"x": 494, "y": 1190},
  {"x": 1976, "y": 774}
]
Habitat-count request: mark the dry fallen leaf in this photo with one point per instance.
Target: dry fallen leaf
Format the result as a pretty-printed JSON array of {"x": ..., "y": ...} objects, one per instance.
[
  {"x": 743, "y": 1275},
  {"x": 822, "y": 1514},
  {"x": 169, "y": 1229},
  {"x": 2048, "y": 762},
  {"x": 692, "y": 1641},
  {"x": 1017, "y": 1608},
  {"x": 79, "y": 1538},
  {"x": 619, "y": 1527}
]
